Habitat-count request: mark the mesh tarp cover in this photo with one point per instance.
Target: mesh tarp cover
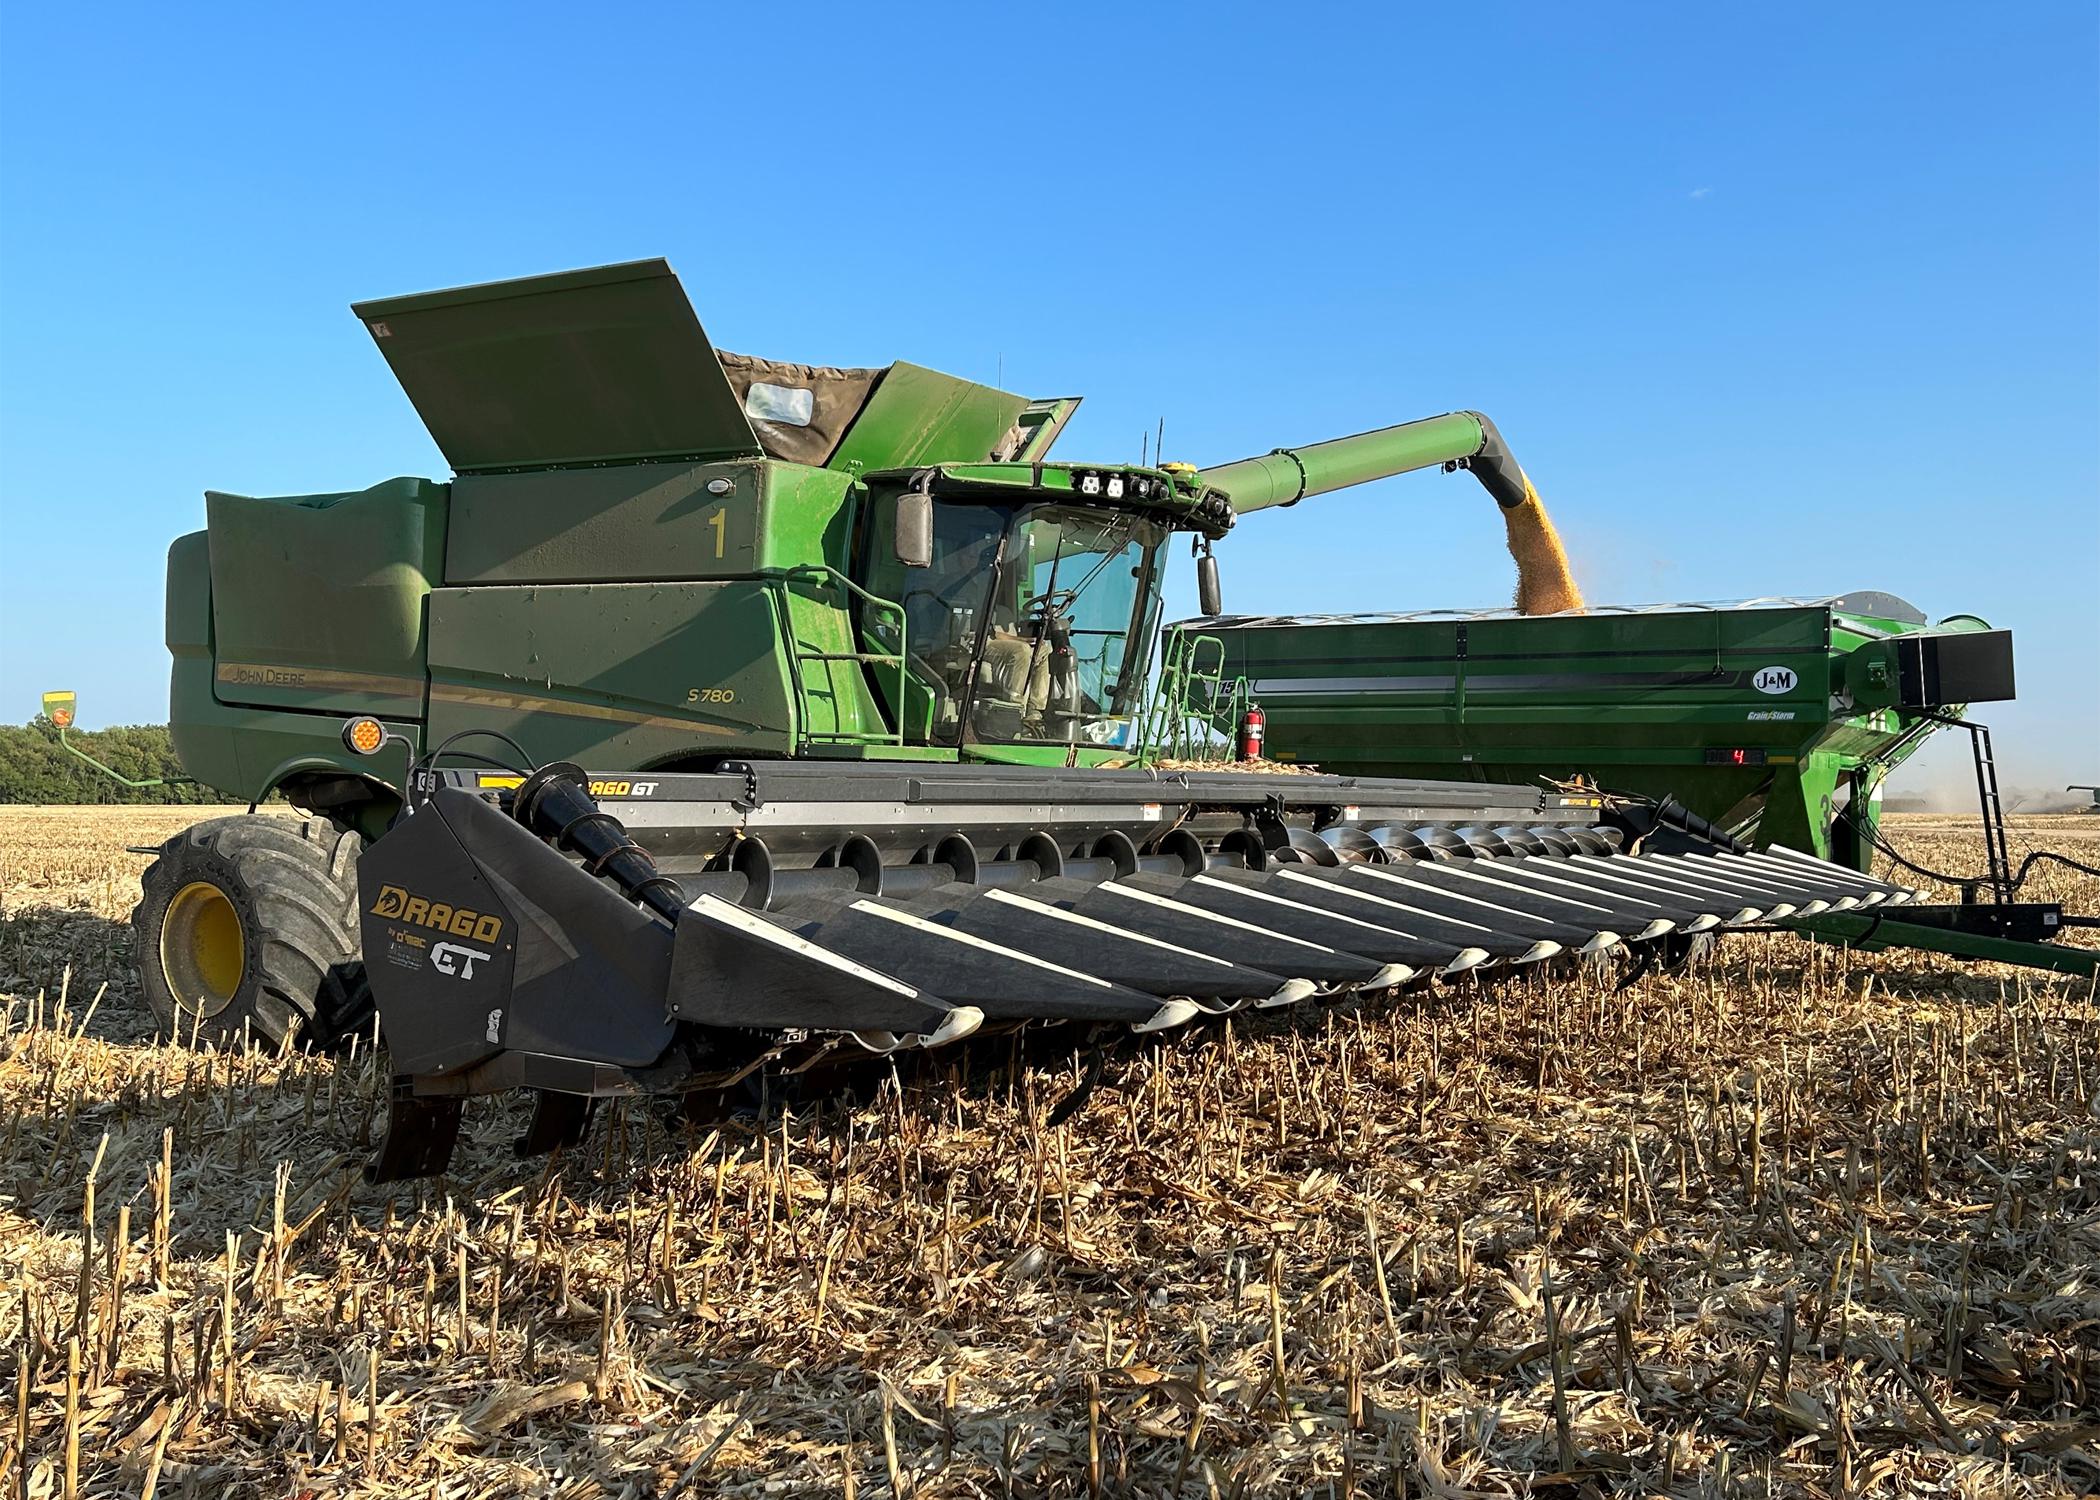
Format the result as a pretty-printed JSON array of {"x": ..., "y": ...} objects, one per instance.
[{"x": 777, "y": 409}]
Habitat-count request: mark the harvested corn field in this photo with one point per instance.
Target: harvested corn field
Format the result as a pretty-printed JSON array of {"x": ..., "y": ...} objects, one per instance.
[{"x": 1800, "y": 1223}]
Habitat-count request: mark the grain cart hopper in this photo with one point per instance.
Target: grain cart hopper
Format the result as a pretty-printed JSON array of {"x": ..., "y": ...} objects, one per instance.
[
  {"x": 1776, "y": 718},
  {"x": 719, "y": 713}
]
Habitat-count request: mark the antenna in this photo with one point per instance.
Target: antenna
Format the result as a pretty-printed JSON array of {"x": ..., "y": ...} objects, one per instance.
[
  {"x": 1159, "y": 443},
  {"x": 1144, "y": 449}
]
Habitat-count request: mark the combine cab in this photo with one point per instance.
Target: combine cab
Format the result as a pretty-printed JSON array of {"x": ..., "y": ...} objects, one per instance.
[{"x": 719, "y": 714}]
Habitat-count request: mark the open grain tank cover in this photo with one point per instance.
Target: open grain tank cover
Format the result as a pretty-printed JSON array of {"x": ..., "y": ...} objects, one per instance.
[
  {"x": 604, "y": 365},
  {"x": 798, "y": 411}
]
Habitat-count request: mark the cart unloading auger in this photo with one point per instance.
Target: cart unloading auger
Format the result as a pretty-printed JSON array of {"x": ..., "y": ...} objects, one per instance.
[{"x": 844, "y": 653}]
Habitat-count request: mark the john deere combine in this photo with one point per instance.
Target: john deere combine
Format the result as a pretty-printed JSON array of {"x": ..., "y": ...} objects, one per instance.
[{"x": 718, "y": 713}]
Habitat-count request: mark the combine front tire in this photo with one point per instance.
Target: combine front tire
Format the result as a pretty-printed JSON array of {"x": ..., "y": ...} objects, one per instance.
[{"x": 252, "y": 922}]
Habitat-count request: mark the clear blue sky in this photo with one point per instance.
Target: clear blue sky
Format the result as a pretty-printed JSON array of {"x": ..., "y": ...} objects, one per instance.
[{"x": 1768, "y": 300}]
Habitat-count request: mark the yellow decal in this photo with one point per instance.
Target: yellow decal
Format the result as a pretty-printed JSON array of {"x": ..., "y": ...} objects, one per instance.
[
  {"x": 395, "y": 904},
  {"x": 490, "y": 782},
  {"x": 239, "y": 674},
  {"x": 710, "y": 695},
  {"x": 447, "y": 692}
]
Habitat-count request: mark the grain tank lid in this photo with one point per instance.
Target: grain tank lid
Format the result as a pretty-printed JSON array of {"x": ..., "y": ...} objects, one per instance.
[
  {"x": 602, "y": 365},
  {"x": 799, "y": 412}
]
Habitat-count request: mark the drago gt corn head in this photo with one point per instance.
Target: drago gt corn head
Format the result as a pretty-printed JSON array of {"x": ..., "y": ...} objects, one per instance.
[{"x": 881, "y": 907}]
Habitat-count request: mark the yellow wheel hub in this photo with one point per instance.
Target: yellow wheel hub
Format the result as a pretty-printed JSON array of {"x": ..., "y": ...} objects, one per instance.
[{"x": 203, "y": 951}]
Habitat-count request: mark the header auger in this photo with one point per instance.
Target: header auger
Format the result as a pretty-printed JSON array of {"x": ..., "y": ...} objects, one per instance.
[{"x": 721, "y": 713}]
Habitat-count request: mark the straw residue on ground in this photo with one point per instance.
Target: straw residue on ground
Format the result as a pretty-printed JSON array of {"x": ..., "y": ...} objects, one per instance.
[{"x": 1804, "y": 1223}]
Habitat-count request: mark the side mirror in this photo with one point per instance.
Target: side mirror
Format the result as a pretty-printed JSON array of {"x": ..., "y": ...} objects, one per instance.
[
  {"x": 913, "y": 542},
  {"x": 1210, "y": 598}
]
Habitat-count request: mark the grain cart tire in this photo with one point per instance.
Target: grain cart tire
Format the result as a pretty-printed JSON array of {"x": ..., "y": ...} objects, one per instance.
[{"x": 251, "y": 922}]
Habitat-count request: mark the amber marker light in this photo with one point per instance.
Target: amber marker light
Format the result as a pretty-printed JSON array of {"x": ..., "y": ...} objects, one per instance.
[{"x": 363, "y": 735}]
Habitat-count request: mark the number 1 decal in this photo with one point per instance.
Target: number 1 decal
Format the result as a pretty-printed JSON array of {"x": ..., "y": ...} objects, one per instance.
[{"x": 720, "y": 521}]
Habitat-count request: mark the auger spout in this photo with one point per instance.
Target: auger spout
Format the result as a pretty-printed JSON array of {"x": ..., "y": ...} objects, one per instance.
[
  {"x": 1459, "y": 439},
  {"x": 1284, "y": 476}
]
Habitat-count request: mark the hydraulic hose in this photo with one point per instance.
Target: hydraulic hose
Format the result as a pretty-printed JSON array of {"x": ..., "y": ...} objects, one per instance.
[
  {"x": 2034, "y": 857},
  {"x": 556, "y": 803}
]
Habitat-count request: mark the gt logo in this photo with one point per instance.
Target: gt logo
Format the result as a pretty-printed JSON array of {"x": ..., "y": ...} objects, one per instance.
[{"x": 454, "y": 961}]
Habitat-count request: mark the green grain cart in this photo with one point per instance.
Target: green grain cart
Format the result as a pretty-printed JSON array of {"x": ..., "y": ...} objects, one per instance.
[{"x": 1778, "y": 719}]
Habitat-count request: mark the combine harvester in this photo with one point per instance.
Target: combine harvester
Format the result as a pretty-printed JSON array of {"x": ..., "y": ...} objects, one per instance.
[{"x": 722, "y": 715}]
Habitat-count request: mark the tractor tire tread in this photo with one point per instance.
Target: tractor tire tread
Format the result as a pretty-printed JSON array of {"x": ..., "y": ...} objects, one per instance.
[{"x": 295, "y": 883}]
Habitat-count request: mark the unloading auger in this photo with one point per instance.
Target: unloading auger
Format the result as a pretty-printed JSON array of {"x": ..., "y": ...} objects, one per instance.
[
  {"x": 1459, "y": 440},
  {"x": 721, "y": 713}
]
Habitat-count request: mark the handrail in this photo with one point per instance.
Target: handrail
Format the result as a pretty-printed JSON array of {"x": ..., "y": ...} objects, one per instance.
[
  {"x": 1166, "y": 729},
  {"x": 900, "y": 658}
]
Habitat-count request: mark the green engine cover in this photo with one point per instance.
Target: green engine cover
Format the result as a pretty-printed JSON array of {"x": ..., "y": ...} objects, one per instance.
[
  {"x": 317, "y": 600},
  {"x": 536, "y": 663}
]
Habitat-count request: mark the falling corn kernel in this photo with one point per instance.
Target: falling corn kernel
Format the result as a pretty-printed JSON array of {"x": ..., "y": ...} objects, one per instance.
[{"x": 1544, "y": 584}]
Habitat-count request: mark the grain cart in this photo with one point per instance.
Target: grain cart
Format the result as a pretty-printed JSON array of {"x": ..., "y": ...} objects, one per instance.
[
  {"x": 720, "y": 713},
  {"x": 1777, "y": 718}
]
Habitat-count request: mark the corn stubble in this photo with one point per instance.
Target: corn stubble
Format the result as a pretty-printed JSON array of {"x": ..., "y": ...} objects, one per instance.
[{"x": 1805, "y": 1223}]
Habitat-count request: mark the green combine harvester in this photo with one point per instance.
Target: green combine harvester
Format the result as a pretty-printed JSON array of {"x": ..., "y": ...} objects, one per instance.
[{"x": 721, "y": 715}]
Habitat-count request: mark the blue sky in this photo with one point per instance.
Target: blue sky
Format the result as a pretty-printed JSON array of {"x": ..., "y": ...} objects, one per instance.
[{"x": 1767, "y": 299}]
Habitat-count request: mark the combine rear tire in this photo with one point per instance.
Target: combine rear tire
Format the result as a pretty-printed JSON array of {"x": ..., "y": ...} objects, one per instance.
[{"x": 252, "y": 922}]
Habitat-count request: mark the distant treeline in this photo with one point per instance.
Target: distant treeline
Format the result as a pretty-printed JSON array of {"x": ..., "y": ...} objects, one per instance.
[{"x": 33, "y": 767}]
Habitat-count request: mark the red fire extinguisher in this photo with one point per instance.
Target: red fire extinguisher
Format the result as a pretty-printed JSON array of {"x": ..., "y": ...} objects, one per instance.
[{"x": 1254, "y": 730}]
